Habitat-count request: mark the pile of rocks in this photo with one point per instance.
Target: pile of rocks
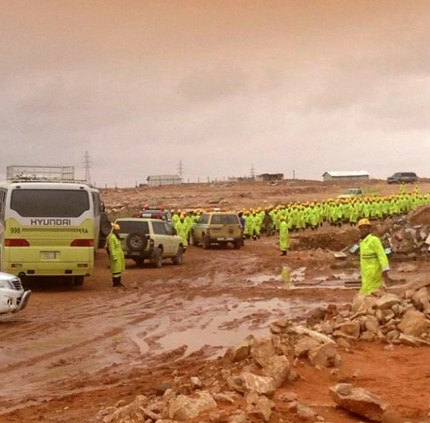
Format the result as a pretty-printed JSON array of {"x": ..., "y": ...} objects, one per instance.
[
  {"x": 243, "y": 385},
  {"x": 405, "y": 238},
  {"x": 391, "y": 318},
  {"x": 410, "y": 235}
]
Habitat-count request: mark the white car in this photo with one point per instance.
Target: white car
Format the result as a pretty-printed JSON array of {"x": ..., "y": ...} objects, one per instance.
[{"x": 13, "y": 297}]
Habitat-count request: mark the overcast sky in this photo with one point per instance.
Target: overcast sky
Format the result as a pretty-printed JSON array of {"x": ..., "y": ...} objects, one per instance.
[{"x": 218, "y": 87}]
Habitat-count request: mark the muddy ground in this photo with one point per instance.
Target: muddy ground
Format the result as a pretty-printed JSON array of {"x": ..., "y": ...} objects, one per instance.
[{"x": 75, "y": 351}]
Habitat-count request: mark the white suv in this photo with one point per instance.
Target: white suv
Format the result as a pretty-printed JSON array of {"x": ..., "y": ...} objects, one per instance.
[
  {"x": 149, "y": 239},
  {"x": 13, "y": 298}
]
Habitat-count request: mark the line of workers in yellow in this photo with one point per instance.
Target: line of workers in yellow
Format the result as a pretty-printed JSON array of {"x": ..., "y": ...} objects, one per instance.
[{"x": 300, "y": 215}]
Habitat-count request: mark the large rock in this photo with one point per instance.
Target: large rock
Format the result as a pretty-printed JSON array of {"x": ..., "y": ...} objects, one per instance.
[
  {"x": 421, "y": 300},
  {"x": 358, "y": 401},
  {"x": 259, "y": 407},
  {"x": 350, "y": 328},
  {"x": 302, "y": 330},
  {"x": 248, "y": 382},
  {"x": 324, "y": 355},
  {"x": 304, "y": 345},
  {"x": 361, "y": 304},
  {"x": 278, "y": 368},
  {"x": 183, "y": 407},
  {"x": 371, "y": 324},
  {"x": 133, "y": 409},
  {"x": 411, "y": 341},
  {"x": 387, "y": 301},
  {"x": 239, "y": 352},
  {"x": 413, "y": 323},
  {"x": 262, "y": 349}
]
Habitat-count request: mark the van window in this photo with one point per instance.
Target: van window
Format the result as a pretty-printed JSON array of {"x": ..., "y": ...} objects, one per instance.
[
  {"x": 159, "y": 228},
  {"x": 49, "y": 202}
]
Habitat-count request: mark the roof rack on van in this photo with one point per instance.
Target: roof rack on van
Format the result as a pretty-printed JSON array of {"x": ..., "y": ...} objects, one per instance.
[{"x": 42, "y": 174}]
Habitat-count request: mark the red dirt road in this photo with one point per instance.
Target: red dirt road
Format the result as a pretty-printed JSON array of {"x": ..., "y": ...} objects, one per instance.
[{"x": 75, "y": 351}]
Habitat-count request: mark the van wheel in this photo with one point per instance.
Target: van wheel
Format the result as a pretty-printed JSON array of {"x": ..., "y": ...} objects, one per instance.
[
  {"x": 179, "y": 256},
  {"x": 105, "y": 228},
  {"x": 78, "y": 280},
  {"x": 102, "y": 242},
  {"x": 157, "y": 258}
]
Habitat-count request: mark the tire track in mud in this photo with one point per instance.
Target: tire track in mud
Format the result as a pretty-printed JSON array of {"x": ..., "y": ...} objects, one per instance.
[{"x": 33, "y": 352}]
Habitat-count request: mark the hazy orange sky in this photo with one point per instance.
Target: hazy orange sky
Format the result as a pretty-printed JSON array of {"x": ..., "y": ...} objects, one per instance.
[{"x": 220, "y": 86}]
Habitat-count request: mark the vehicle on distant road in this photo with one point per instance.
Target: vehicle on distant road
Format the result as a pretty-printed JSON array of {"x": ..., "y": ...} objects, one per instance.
[
  {"x": 406, "y": 177},
  {"x": 13, "y": 297}
]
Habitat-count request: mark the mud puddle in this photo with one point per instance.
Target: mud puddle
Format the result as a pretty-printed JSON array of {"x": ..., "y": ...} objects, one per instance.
[
  {"x": 299, "y": 279},
  {"x": 201, "y": 323}
]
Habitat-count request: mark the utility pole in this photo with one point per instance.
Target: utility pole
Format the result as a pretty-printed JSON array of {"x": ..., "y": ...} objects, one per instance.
[{"x": 87, "y": 167}]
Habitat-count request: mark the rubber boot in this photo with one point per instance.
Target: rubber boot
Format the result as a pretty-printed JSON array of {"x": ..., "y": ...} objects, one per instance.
[{"x": 117, "y": 281}]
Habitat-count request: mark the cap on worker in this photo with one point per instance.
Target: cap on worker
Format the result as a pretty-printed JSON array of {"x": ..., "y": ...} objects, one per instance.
[
  {"x": 363, "y": 222},
  {"x": 115, "y": 227}
]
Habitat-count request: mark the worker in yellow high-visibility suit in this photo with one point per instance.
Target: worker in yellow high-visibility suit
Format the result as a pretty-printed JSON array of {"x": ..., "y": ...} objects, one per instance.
[
  {"x": 284, "y": 236},
  {"x": 374, "y": 265},
  {"x": 116, "y": 255}
]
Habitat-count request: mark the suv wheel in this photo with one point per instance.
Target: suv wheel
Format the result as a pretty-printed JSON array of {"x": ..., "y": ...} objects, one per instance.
[
  {"x": 193, "y": 240},
  {"x": 206, "y": 242},
  {"x": 139, "y": 261},
  {"x": 237, "y": 244},
  {"x": 157, "y": 258},
  {"x": 179, "y": 256},
  {"x": 136, "y": 241}
]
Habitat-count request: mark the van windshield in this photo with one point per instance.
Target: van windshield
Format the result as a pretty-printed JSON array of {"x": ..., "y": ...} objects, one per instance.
[{"x": 49, "y": 202}]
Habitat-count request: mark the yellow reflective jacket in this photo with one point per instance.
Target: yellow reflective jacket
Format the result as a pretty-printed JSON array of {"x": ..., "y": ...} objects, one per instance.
[
  {"x": 116, "y": 255},
  {"x": 373, "y": 261},
  {"x": 284, "y": 236}
]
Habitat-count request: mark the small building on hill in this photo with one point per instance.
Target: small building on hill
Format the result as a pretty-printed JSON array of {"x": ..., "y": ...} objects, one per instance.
[
  {"x": 270, "y": 177},
  {"x": 158, "y": 180},
  {"x": 345, "y": 175}
]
